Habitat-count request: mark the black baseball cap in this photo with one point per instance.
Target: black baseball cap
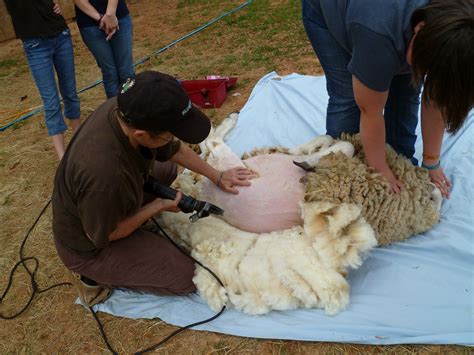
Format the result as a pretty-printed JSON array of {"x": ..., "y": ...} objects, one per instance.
[{"x": 154, "y": 101}]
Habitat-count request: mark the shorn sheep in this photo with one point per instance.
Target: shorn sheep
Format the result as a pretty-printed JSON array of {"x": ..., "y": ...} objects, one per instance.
[{"x": 281, "y": 245}]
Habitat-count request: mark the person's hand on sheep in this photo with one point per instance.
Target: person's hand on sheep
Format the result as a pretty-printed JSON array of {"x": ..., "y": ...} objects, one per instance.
[
  {"x": 395, "y": 184},
  {"x": 439, "y": 178},
  {"x": 238, "y": 176}
]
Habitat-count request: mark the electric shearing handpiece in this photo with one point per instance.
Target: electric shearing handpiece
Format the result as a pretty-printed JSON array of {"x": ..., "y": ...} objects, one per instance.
[{"x": 187, "y": 204}]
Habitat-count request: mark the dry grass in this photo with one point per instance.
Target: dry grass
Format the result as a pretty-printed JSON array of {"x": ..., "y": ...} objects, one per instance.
[{"x": 266, "y": 36}]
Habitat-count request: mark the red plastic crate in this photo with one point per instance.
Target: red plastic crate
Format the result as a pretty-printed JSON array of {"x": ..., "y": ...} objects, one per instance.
[{"x": 206, "y": 93}]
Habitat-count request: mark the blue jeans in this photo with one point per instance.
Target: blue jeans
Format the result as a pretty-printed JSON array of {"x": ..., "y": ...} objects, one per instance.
[
  {"x": 343, "y": 114},
  {"x": 44, "y": 55},
  {"x": 114, "y": 57}
]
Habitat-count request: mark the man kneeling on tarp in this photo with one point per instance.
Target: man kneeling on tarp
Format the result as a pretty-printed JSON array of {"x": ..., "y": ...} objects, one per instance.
[{"x": 98, "y": 200}]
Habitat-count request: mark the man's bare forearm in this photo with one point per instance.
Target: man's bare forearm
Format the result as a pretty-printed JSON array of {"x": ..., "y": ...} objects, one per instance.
[
  {"x": 372, "y": 134},
  {"x": 188, "y": 158},
  {"x": 111, "y": 7},
  {"x": 432, "y": 130}
]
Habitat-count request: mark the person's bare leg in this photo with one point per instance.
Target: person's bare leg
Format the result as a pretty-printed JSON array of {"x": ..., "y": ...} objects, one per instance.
[
  {"x": 58, "y": 142},
  {"x": 75, "y": 124}
]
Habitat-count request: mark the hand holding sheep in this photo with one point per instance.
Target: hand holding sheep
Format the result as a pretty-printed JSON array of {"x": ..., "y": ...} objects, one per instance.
[
  {"x": 439, "y": 178},
  {"x": 238, "y": 176},
  {"x": 395, "y": 184}
]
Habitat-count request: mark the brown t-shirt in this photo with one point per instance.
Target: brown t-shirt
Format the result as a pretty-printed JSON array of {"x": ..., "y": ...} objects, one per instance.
[{"x": 99, "y": 182}]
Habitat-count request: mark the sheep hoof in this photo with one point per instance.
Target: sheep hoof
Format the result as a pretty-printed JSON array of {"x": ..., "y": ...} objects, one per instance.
[
  {"x": 303, "y": 165},
  {"x": 436, "y": 197}
]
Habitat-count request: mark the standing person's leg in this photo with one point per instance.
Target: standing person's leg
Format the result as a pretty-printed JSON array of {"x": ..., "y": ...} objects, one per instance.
[
  {"x": 65, "y": 69},
  {"x": 94, "y": 38},
  {"x": 343, "y": 114},
  {"x": 121, "y": 44},
  {"x": 401, "y": 115},
  {"x": 39, "y": 53}
]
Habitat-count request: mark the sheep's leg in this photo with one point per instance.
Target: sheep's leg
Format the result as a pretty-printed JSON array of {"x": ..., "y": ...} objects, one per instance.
[
  {"x": 209, "y": 289},
  {"x": 436, "y": 197},
  {"x": 331, "y": 288},
  {"x": 318, "y": 143},
  {"x": 309, "y": 162}
]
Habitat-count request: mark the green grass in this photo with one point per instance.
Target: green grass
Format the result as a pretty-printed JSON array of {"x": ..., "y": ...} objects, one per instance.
[
  {"x": 258, "y": 36},
  {"x": 13, "y": 66},
  {"x": 8, "y": 63},
  {"x": 7, "y": 200}
]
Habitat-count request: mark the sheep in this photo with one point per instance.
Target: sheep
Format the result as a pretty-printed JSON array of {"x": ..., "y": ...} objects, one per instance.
[
  {"x": 322, "y": 228},
  {"x": 393, "y": 217}
]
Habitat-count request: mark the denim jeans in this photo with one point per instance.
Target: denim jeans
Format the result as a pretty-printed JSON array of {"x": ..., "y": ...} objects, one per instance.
[
  {"x": 44, "y": 55},
  {"x": 114, "y": 57},
  {"x": 343, "y": 114}
]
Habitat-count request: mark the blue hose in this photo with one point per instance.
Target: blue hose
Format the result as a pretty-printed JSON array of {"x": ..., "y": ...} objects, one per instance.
[{"x": 137, "y": 63}]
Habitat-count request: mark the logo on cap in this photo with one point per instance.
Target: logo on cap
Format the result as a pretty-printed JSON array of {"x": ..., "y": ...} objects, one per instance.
[
  {"x": 127, "y": 85},
  {"x": 186, "y": 110}
]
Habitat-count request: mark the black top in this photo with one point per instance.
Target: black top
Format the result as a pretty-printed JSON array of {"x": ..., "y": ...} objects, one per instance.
[
  {"x": 83, "y": 20},
  {"x": 35, "y": 18}
]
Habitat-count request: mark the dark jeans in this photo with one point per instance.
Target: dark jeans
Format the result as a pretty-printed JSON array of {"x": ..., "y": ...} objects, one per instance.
[
  {"x": 45, "y": 55},
  {"x": 114, "y": 57},
  {"x": 343, "y": 114}
]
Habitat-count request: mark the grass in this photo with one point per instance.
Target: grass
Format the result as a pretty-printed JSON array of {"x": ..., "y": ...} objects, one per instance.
[
  {"x": 259, "y": 36},
  {"x": 264, "y": 36},
  {"x": 10, "y": 67},
  {"x": 8, "y": 63}
]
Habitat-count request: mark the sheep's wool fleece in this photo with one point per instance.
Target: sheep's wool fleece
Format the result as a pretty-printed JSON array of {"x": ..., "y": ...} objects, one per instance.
[
  {"x": 299, "y": 267},
  {"x": 340, "y": 179}
]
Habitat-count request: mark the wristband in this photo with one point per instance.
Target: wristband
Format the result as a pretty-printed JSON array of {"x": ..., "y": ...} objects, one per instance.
[
  {"x": 100, "y": 17},
  {"x": 431, "y": 167}
]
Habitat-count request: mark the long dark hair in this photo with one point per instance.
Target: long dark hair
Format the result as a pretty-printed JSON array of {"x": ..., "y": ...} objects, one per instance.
[{"x": 443, "y": 57}]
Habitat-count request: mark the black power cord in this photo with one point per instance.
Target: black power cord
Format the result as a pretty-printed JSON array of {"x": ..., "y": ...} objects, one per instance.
[
  {"x": 153, "y": 347},
  {"x": 37, "y": 290},
  {"x": 34, "y": 286}
]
